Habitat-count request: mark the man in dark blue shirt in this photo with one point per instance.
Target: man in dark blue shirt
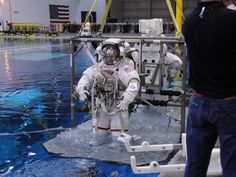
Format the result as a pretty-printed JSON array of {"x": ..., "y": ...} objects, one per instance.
[{"x": 210, "y": 34}]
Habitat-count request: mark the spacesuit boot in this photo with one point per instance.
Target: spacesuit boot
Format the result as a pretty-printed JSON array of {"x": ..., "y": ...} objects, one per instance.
[
  {"x": 98, "y": 139},
  {"x": 116, "y": 143}
]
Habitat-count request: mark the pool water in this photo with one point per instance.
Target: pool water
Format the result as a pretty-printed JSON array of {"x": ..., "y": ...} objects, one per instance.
[{"x": 35, "y": 96}]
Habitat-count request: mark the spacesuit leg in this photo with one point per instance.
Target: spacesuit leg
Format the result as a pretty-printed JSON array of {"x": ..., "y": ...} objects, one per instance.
[
  {"x": 101, "y": 125},
  {"x": 119, "y": 125}
]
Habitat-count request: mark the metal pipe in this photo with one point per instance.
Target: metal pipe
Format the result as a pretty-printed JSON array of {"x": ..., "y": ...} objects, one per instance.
[
  {"x": 78, "y": 50},
  {"x": 139, "y": 37},
  {"x": 183, "y": 100},
  {"x": 134, "y": 39},
  {"x": 72, "y": 77},
  {"x": 161, "y": 63},
  {"x": 140, "y": 64}
]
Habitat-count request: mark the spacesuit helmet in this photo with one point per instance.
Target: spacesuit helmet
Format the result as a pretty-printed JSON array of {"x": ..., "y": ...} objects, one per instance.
[{"x": 111, "y": 54}]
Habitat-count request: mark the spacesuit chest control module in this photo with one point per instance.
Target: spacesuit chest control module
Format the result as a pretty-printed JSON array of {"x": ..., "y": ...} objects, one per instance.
[{"x": 113, "y": 84}]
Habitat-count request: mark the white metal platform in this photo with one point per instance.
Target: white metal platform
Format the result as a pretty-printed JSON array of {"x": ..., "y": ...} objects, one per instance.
[
  {"x": 213, "y": 171},
  {"x": 175, "y": 168}
]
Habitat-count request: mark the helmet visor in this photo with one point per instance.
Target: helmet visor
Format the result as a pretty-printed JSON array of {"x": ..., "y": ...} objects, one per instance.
[{"x": 110, "y": 55}]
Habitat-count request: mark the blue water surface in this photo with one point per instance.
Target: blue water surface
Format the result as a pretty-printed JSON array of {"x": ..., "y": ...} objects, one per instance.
[{"x": 34, "y": 96}]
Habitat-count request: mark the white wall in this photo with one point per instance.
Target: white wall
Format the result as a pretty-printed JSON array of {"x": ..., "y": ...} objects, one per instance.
[{"x": 37, "y": 11}]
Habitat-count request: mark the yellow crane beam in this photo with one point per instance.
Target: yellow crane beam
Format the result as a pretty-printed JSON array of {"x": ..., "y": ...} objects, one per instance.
[
  {"x": 104, "y": 20},
  {"x": 88, "y": 15},
  {"x": 179, "y": 15},
  {"x": 172, "y": 14}
]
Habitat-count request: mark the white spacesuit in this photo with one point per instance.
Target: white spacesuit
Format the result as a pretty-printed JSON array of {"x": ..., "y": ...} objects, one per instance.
[
  {"x": 113, "y": 84},
  {"x": 173, "y": 66}
]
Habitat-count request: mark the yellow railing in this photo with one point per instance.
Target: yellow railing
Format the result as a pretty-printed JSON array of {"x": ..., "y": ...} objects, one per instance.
[{"x": 25, "y": 27}]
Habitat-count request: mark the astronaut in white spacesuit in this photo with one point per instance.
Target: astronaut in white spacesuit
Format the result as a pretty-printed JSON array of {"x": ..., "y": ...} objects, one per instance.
[{"x": 113, "y": 84}]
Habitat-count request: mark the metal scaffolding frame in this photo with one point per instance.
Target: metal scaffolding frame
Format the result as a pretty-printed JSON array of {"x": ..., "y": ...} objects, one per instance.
[{"x": 78, "y": 43}]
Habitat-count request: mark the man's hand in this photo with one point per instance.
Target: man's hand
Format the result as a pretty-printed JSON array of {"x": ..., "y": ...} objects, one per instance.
[
  {"x": 123, "y": 105},
  {"x": 83, "y": 95},
  {"x": 80, "y": 93},
  {"x": 75, "y": 95}
]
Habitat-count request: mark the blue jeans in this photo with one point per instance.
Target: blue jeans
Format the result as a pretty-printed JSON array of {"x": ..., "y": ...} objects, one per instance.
[{"x": 207, "y": 119}]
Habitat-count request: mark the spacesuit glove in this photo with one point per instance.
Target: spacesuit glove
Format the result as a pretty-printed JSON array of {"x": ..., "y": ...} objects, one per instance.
[
  {"x": 123, "y": 105},
  {"x": 75, "y": 93},
  {"x": 83, "y": 95}
]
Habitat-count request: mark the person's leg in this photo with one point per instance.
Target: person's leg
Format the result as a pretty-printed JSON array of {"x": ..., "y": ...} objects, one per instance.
[
  {"x": 119, "y": 123},
  {"x": 228, "y": 154},
  {"x": 226, "y": 121},
  {"x": 101, "y": 125},
  {"x": 201, "y": 138}
]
